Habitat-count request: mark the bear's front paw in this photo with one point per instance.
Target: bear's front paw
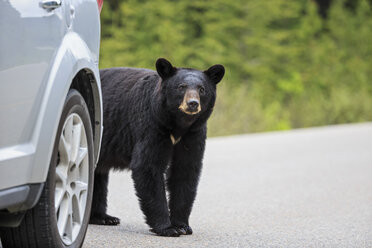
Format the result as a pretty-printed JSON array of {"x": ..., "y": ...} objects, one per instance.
[
  {"x": 104, "y": 219},
  {"x": 183, "y": 229},
  {"x": 167, "y": 232}
]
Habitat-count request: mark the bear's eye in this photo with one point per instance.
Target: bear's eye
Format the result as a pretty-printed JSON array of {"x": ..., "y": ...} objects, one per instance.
[
  {"x": 201, "y": 90},
  {"x": 182, "y": 86}
]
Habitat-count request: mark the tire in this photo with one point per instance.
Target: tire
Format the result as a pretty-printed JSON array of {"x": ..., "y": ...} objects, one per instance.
[{"x": 60, "y": 218}]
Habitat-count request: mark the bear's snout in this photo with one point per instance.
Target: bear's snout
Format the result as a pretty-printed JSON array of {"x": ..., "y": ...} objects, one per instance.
[{"x": 191, "y": 102}]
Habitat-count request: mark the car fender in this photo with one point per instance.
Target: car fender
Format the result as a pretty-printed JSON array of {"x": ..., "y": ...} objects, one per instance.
[{"x": 72, "y": 56}]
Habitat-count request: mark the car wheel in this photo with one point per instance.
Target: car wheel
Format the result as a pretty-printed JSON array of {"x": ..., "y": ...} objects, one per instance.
[{"x": 61, "y": 217}]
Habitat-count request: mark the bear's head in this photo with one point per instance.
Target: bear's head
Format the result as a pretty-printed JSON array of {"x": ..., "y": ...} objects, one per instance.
[{"x": 188, "y": 92}]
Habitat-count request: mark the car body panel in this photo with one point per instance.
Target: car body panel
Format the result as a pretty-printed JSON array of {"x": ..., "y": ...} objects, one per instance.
[
  {"x": 25, "y": 57},
  {"x": 41, "y": 51}
]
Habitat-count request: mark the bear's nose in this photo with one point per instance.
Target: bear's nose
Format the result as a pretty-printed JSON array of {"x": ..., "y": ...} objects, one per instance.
[{"x": 193, "y": 104}]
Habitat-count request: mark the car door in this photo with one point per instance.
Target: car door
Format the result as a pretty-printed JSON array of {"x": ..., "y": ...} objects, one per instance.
[{"x": 31, "y": 31}]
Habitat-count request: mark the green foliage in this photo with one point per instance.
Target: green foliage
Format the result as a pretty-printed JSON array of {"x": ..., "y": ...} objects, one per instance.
[{"x": 286, "y": 67}]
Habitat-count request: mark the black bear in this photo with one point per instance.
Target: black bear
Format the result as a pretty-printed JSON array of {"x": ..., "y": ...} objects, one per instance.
[{"x": 155, "y": 125}]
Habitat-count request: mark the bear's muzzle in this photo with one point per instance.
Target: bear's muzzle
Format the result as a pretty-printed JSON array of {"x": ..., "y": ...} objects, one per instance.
[{"x": 191, "y": 102}]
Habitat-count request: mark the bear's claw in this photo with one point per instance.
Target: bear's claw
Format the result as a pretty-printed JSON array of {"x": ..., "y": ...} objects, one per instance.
[
  {"x": 184, "y": 230},
  {"x": 104, "y": 220},
  {"x": 167, "y": 232}
]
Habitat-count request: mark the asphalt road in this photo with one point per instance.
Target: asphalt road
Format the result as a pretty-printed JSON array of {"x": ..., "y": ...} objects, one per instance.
[{"x": 302, "y": 188}]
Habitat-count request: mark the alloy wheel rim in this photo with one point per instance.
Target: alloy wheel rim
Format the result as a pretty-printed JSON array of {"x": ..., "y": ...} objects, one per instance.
[{"x": 71, "y": 181}]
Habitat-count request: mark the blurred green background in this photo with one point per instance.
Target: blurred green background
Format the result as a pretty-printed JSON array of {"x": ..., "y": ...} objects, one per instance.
[{"x": 289, "y": 63}]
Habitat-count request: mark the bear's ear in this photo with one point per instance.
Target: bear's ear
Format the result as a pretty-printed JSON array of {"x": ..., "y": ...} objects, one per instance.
[
  {"x": 215, "y": 73},
  {"x": 164, "y": 68}
]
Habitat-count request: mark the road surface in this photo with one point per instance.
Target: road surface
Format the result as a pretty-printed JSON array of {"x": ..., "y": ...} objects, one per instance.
[{"x": 301, "y": 188}]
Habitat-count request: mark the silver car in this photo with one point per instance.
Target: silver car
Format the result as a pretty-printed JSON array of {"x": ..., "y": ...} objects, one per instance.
[{"x": 50, "y": 120}]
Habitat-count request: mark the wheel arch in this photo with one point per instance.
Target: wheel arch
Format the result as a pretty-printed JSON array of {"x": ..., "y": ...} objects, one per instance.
[{"x": 86, "y": 84}]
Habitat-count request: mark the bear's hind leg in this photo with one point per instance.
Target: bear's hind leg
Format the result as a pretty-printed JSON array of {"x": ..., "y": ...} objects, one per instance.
[{"x": 98, "y": 214}]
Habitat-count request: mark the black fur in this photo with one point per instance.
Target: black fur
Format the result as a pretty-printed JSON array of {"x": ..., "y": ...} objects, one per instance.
[{"x": 141, "y": 112}]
